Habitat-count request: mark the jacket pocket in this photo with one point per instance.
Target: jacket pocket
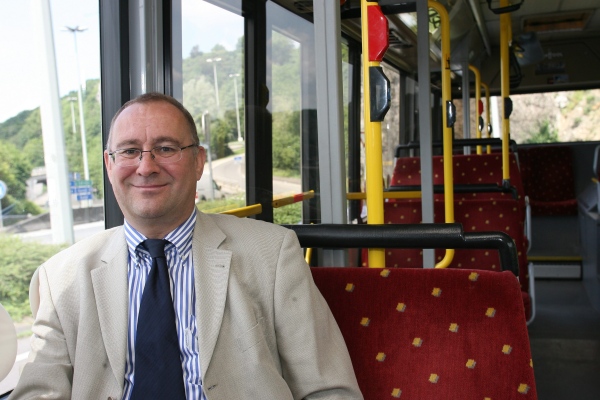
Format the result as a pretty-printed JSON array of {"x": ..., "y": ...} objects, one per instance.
[{"x": 251, "y": 337}]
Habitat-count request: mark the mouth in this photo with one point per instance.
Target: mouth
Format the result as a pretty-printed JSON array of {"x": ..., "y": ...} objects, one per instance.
[{"x": 150, "y": 187}]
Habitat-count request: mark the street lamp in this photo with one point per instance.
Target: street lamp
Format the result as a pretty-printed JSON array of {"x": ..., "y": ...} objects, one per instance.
[
  {"x": 237, "y": 107},
  {"x": 86, "y": 170},
  {"x": 72, "y": 100},
  {"x": 214, "y": 62}
]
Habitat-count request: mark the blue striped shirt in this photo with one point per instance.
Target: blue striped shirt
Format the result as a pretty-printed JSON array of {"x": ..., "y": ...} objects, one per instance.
[{"x": 181, "y": 270}]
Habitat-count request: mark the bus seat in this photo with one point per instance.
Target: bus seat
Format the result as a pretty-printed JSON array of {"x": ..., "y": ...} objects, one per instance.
[
  {"x": 476, "y": 215},
  {"x": 548, "y": 179},
  {"x": 432, "y": 334},
  {"x": 467, "y": 170},
  {"x": 8, "y": 343}
]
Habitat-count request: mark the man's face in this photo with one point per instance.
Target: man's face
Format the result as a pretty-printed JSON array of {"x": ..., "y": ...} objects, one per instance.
[{"x": 154, "y": 195}]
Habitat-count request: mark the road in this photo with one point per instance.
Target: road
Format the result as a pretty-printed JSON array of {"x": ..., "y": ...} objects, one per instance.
[{"x": 230, "y": 172}]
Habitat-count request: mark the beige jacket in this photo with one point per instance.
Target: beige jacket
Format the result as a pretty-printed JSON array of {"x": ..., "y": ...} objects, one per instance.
[{"x": 265, "y": 330}]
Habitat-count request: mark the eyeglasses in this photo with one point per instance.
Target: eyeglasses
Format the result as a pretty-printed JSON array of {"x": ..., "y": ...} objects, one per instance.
[{"x": 160, "y": 154}]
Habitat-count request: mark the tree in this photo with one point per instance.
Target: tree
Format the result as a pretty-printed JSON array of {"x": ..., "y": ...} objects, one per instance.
[
  {"x": 15, "y": 169},
  {"x": 545, "y": 133}
]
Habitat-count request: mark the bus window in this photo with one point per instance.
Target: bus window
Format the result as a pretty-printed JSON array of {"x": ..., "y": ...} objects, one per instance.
[
  {"x": 568, "y": 116},
  {"x": 213, "y": 92},
  {"x": 292, "y": 104},
  {"x": 48, "y": 204},
  {"x": 390, "y": 127}
]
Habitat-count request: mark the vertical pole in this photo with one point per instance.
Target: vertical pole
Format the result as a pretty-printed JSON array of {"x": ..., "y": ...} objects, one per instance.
[
  {"x": 373, "y": 147},
  {"x": 86, "y": 169},
  {"x": 74, "y": 128},
  {"x": 216, "y": 89},
  {"x": 61, "y": 213},
  {"x": 425, "y": 123},
  {"x": 446, "y": 124},
  {"x": 505, "y": 89},
  {"x": 332, "y": 168}
]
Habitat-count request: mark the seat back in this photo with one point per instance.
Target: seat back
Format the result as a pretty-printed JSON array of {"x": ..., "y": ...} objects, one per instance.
[
  {"x": 432, "y": 334},
  {"x": 549, "y": 180},
  {"x": 467, "y": 170},
  {"x": 476, "y": 215}
]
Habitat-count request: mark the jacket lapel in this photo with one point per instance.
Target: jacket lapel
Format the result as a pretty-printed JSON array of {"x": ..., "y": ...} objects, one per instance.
[
  {"x": 211, "y": 272},
  {"x": 109, "y": 280}
]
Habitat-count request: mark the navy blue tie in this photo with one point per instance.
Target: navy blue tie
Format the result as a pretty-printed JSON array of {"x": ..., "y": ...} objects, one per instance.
[{"x": 158, "y": 371}]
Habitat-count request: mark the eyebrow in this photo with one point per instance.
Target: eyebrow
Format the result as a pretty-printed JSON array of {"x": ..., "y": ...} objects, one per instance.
[{"x": 156, "y": 142}]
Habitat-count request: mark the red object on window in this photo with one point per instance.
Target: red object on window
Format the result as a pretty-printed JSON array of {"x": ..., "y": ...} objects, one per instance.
[
  {"x": 378, "y": 33},
  {"x": 480, "y": 108}
]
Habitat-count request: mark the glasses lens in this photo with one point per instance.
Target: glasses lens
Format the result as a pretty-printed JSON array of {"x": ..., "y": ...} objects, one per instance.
[
  {"x": 126, "y": 157},
  {"x": 160, "y": 155},
  {"x": 165, "y": 154}
]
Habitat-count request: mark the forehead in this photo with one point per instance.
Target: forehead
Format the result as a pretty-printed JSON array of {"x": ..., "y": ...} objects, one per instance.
[{"x": 149, "y": 123}]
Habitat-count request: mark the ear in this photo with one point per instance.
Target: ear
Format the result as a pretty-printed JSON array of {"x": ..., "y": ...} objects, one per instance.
[
  {"x": 108, "y": 164},
  {"x": 200, "y": 160}
]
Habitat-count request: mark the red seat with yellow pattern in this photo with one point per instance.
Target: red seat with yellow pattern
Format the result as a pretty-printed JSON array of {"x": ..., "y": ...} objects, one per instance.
[{"x": 418, "y": 334}]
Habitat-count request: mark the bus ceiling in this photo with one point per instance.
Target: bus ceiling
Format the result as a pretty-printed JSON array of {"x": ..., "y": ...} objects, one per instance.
[{"x": 572, "y": 27}]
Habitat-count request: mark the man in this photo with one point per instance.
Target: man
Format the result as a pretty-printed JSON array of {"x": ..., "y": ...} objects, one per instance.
[{"x": 249, "y": 321}]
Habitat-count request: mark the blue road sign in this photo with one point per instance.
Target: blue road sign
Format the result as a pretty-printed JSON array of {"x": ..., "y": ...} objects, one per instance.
[{"x": 81, "y": 197}]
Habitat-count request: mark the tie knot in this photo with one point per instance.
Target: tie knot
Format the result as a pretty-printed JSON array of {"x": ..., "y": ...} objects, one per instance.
[{"x": 156, "y": 247}]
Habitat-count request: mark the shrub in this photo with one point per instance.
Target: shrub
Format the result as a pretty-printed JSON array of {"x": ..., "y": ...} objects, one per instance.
[{"x": 18, "y": 261}]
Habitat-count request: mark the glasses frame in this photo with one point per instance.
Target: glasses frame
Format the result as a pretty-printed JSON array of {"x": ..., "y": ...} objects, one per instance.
[{"x": 114, "y": 153}]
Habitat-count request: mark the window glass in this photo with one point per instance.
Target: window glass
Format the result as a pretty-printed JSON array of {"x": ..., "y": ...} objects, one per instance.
[
  {"x": 390, "y": 127},
  {"x": 568, "y": 116},
  {"x": 213, "y": 92},
  {"x": 292, "y": 104},
  {"x": 32, "y": 197}
]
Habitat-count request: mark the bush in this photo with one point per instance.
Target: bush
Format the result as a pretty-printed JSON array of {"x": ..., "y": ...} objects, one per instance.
[
  {"x": 18, "y": 261},
  {"x": 290, "y": 214}
]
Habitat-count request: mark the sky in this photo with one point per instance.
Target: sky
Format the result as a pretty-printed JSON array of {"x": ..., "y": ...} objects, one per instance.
[{"x": 20, "y": 66}]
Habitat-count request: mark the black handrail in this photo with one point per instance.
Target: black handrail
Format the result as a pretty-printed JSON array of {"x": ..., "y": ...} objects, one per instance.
[
  {"x": 456, "y": 143},
  {"x": 461, "y": 188},
  {"x": 408, "y": 236}
]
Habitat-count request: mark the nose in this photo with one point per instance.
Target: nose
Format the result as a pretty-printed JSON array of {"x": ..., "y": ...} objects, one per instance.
[
  {"x": 146, "y": 151},
  {"x": 147, "y": 165}
]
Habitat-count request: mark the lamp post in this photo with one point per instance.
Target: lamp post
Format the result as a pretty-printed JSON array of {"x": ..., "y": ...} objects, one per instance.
[
  {"x": 214, "y": 62},
  {"x": 72, "y": 100},
  {"x": 86, "y": 171},
  {"x": 237, "y": 107}
]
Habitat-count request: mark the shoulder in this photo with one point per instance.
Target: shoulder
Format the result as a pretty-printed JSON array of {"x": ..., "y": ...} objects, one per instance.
[
  {"x": 248, "y": 235},
  {"x": 234, "y": 225},
  {"x": 91, "y": 247}
]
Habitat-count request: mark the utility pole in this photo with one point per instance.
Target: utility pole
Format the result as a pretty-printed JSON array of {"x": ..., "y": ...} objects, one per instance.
[
  {"x": 214, "y": 62},
  {"x": 237, "y": 106}
]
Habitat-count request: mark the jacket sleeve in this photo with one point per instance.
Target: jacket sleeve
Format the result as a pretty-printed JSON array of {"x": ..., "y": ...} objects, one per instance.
[
  {"x": 48, "y": 373},
  {"x": 314, "y": 357}
]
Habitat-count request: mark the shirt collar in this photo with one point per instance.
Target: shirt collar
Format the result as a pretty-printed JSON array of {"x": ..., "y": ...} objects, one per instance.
[{"x": 180, "y": 238}]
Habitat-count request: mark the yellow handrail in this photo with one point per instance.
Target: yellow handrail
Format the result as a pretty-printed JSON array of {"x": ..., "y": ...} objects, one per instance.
[
  {"x": 505, "y": 33},
  {"x": 244, "y": 211},
  {"x": 280, "y": 202},
  {"x": 287, "y": 200},
  {"x": 447, "y": 128},
  {"x": 373, "y": 147},
  {"x": 308, "y": 255}
]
